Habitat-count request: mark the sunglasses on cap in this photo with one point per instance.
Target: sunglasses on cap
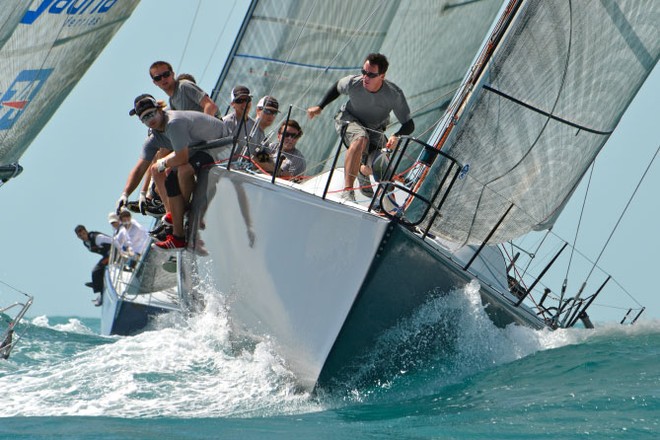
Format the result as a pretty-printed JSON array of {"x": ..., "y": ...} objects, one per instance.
[
  {"x": 371, "y": 75},
  {"x": 241, "y": 100},
  {"x": 165, "y": 74}
]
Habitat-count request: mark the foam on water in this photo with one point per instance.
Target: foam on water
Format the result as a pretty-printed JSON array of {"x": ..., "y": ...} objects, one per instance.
[
  {"x": 450, "y": 338},
  {"x": 189, "y": 366},
  {"x": 186, "y": 368}
]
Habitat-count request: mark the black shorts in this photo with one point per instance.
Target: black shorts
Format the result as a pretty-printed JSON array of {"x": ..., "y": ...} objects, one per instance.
[{"x": 197, "y": 161}]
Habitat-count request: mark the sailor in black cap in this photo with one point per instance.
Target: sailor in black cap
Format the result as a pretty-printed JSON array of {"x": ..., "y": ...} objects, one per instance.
[{"x": 171, "y": 132}]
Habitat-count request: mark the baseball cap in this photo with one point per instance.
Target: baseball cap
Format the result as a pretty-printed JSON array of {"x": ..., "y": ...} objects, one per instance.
[
  {"x": 239, "y": 91},
  {"x": 141, "y": 103},
  {"x": 113, "y": 217},
  {"x": 268, "y": 102}
]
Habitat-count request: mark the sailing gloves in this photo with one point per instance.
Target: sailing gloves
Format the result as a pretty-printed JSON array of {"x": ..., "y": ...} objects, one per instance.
[
  {"x": 142, "y": 202},
  {"x": 160, "y": 165},
  {"x": 122, "y": 202}
]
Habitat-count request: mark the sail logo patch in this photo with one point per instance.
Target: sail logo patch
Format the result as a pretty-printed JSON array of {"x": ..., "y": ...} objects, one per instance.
[
  {"x": 19, "y": 94},
  {"x": 69, "y": 7}
]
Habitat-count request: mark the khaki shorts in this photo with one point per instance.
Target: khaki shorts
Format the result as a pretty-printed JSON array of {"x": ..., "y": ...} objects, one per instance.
[{"x": 354, "y": 131}]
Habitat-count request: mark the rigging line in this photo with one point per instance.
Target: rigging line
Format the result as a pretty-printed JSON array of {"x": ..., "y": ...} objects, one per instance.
[
  {"x": 293, "y": 47},
  {"x": 192, "y": 26},
  {"x": 14, "y": 288},
  {"x": 350, "y": 39},
  {"x": 577, "y": 230},
  {"x": 217, "y": 41},
  {"x": 544, "y": 113},
  {"x": 624, "y": 210}
]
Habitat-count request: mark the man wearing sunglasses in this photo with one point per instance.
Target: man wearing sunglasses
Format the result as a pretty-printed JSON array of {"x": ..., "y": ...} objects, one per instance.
[
  {"x": 239, "y": 121},
  {"x": 267, "y": 110},
  {"x": 363, "y": 118},
  {"x": 171, "y": 133},
  {"x": 184, "y": 95}
]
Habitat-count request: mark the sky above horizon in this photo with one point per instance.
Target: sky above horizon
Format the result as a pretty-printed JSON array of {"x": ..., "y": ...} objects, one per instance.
[{"x": 76, "y": 168}]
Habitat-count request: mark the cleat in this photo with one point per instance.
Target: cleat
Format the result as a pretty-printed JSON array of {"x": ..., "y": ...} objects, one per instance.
[
  {"x": 90, "y": 285},
  {"x": 170, "y": 265}
]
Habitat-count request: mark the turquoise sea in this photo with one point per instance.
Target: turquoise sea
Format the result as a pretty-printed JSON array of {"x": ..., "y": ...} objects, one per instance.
[{"x": 183, "y": 378}]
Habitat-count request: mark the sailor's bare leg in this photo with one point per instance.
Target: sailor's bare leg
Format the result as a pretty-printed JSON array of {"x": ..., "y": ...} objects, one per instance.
[{"x": 352, "y": 161}]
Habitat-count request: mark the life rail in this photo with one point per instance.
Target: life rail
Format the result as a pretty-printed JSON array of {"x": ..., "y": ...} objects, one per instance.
[{"x": 7, "y": 339}]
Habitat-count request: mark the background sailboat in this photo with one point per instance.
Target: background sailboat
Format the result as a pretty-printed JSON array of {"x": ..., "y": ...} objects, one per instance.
[{"x": 42, "y": 58}]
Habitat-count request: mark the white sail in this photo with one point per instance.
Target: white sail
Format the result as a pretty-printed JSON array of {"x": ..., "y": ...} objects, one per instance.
[
  {"x": 10, "y": 14},
  {"x": 46, "y": 55},
  {"x": 295, "y": 50},
  {"x": 548, "y": 100}
]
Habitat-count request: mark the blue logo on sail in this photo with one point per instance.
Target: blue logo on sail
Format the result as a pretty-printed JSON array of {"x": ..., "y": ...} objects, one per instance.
[
  {"x": 69, "y": 7},
  {"x": 19, "y": 94}
]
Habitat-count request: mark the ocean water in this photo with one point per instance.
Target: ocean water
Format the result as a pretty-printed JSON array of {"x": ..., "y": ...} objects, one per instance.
[{"x": 184, "y": 378}]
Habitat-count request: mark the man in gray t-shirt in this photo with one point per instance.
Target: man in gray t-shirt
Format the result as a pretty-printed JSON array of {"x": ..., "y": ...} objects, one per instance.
[
  {"x": 184, "y": 95},
  {"x": 172, "y": 132},
  {"x": 363, "y": 118},
  {"x": 239, "y": 121}
]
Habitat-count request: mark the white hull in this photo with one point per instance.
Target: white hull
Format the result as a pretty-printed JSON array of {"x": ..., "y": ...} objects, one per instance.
[
  {"x": 305, "y": 273},
  {"x": 299, "y": 277}
]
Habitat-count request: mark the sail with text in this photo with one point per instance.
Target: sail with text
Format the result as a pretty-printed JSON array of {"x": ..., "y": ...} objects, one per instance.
[{"x": 43, "y": 58}]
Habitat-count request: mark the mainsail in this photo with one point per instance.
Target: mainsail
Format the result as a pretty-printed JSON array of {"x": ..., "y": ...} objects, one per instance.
[
  {"x": 546, "y": 103},
  {"x": 295, "y": 50},
  {"x": 45, "y": 56}
]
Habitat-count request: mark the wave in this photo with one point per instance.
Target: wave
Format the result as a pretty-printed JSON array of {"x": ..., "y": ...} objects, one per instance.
[{"x": 190, "y": 367}]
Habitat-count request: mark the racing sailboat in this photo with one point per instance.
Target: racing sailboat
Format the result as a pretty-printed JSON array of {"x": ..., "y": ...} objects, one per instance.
[
  {"x": 45, "y": 48},
  {"x": 14, "y": 304},
  {"x": 322, "y": 278}
]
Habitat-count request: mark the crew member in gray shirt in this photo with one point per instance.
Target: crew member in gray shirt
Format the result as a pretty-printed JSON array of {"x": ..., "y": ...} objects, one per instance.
[
  {"x": 239, "y": 121},
  {"x": 363, "y": 118},
  {"x": 184, "y": 95},
  {"x": 171, "y": 133}
]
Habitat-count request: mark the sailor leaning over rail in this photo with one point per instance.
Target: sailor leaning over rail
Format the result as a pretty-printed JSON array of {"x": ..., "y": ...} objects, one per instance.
[
  {"x": 171, "y": 133},
  {"x": 97, "y": 243}
]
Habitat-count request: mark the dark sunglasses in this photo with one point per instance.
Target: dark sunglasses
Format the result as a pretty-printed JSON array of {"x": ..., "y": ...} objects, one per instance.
[
  {"x": 165, "y": 74},
  {"x": 288, "y": 134},
  {"x": 371, "y": 75},
  {"x": 241, "y": 100},
  {"x": 148, "y": 116},
  {"x": 268, "y": 111}
]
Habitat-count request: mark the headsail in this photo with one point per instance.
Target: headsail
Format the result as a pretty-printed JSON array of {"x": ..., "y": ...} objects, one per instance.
[
  {"x": 45, "y": 56},
  {"x": 546, "y": 103},
  {"x": 296, "y": 49},
  {"x": 10, "y": 15}
]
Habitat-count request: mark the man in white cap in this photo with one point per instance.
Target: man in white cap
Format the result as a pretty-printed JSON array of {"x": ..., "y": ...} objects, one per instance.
[{"x": 267, "y": 110}]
